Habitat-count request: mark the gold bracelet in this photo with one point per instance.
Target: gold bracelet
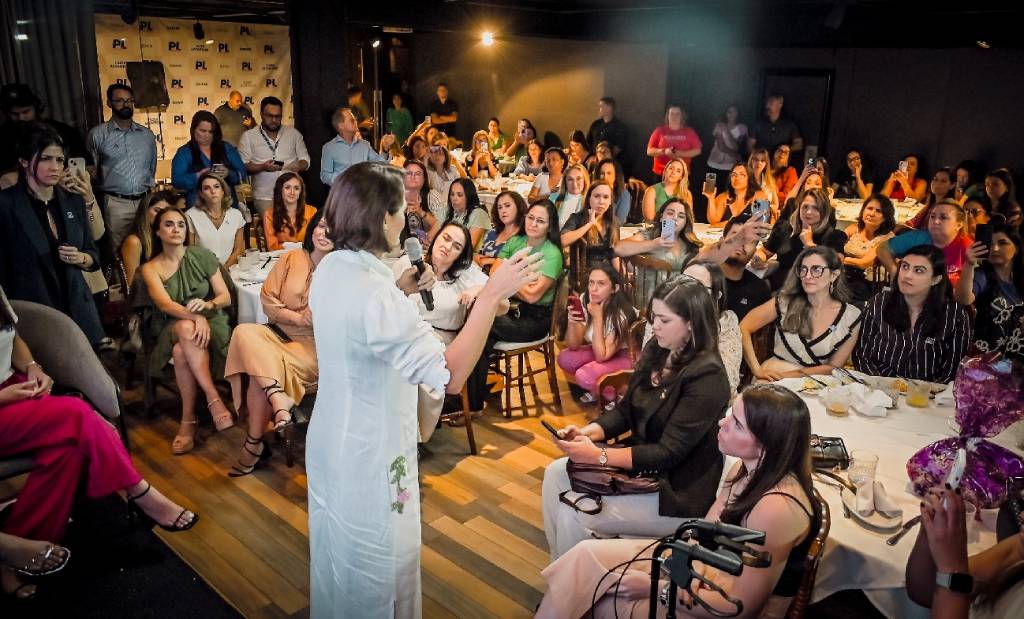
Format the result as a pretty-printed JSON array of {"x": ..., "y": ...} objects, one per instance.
[{"x": 31, "y": 363}]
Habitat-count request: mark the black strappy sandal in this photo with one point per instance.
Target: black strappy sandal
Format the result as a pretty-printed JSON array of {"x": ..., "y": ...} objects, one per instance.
[
  {"x": 149, "y": 521},
  {"x": 293, "y": 412},
  {"x": 241, "y": 470}
]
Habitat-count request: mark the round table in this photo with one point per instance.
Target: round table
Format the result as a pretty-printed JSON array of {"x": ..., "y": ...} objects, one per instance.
[
  {"x": 857, "y": 558},
  {"x": 248, "y": 285}
]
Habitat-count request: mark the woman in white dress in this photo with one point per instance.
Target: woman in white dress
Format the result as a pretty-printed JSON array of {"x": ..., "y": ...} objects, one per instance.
[
  {"x": 218, "y": 227},
  {"x": 374, "y": 349}
]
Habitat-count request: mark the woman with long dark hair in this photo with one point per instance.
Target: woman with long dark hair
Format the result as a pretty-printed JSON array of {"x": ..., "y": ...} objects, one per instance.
[
  {"x": 531, "y": 164},
  {"x": 423, "y": 206},
  {"x": 853, "y": 181},
  {"x": 736, "y": 202},
  {"x": 769, "y": 489},
  {"x": 876, "y": 223},
  {"x": 609, "y": 171},
  {"x": 993, "y": 281},
  {"x": 1002, "y": 196},
  {"x": 596, "y": 227},
  {"x": 508, "y": 215},
  {"x": 942, "y": 187},
  {"x": 678, "y": 250},
  {"x": 675, "y": 398},
  {"x": 550, "y": 180},
  {"x": 286, "y": 222},
  {"x": 464, "y": 208},
  {"x": 915, "y": 330},
  {"x": 205, "y": 152},
  {"x": 906, "y": 185},
  {"x": 809, "y": 225}
]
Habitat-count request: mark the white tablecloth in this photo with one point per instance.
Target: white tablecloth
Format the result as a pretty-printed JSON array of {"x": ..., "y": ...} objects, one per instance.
[
  {"x": 847, "y": 211},
  {"x": 856, "y": 558},
  {"x": 248, "y": 285},
  {"x": 487, "y": 190}
]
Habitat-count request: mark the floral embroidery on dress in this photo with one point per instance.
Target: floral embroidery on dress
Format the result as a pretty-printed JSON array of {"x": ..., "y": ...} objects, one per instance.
[{"x": 396, "y": 472}]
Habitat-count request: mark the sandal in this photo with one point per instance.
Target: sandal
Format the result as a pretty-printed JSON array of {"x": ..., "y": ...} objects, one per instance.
[
  {"x": 458, "y": 420},
  {"x": 149, "y": 521},
  {"x": 293, "y": 413},
  {"x": 35, "y": 566},
  {"x": 182, "y": 444},
  {"x": 241, "y": 470},
  {"x": 224, "y": 421}
]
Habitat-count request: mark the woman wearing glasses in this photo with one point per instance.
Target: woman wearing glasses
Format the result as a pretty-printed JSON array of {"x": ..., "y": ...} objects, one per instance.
[{"x": 815, "y": 324}]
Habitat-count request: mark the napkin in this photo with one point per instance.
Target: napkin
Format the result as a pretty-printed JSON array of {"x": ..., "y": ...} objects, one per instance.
[
  {"x": 872, "y": 497},
  {"x": 865, "y": 400},
  {"x": 945, "y": 397}
]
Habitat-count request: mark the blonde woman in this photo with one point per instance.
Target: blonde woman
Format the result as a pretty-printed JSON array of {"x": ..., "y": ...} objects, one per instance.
[
  {"x": 759, "y": 169},
  {"x": 675, "y": 183},
  {"x": 480, "y": 162},
  {"x": 217, "y": 226},
  {"x": 569, "y": 197}
]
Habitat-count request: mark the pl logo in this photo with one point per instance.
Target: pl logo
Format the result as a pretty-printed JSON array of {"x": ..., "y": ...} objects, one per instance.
[
  {"x": 200, "y": 65},
  {"x": 222, "y": 48},
  {"x": 174, "y": 46},
  {"x": 120, "y": 44},
  {"x": 176, "y": 84},
  {"x": 225, "y": 83},
  {"x": 179, "y": 119},
  {"x": 271, "y": 83},
  {"x": 203, "y": 101},
  {"x": 268, "y": 49},
  {"x": 246, "y": 65},
  {"x": 244, "y": 31}
]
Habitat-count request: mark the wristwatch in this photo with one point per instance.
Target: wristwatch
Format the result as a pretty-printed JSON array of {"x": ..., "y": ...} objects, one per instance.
[
  {"x": 957, "y": 582},
  {"x": 603, "y": 458}
]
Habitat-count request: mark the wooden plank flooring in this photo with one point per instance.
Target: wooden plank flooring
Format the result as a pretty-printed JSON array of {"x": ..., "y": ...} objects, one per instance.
[{"x": 483, "y": 535}]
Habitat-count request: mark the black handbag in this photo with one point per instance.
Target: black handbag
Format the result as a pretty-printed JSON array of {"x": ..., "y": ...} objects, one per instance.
[{"x": 829, "y": 452}]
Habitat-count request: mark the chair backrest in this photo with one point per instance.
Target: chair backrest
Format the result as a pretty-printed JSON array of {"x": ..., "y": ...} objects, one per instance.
[
  {"x": 636, "y": 339},
  {"x": 642, "y": 274},
  {"x": 63, "y": 350},
  {"x": 798, "y": 606},
  {"x": 636, "y": 188},
  {"x": 763, "y": 341}
]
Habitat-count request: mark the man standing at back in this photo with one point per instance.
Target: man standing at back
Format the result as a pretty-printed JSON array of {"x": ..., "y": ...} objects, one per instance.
[
  {"x": 21, "y": 108},
  {"x": 348, "y": 148},
  {"x": 270, "y": 149},
  {"x": 444, "y": 112},
  {"x": 608, "y": 128},
  {"x": 234, "y": 117},
  {"x": 774, "y": 128},
  {"x": 125, "y": 155}
]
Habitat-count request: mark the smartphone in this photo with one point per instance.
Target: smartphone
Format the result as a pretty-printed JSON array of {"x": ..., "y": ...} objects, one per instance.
[
  {"x": 278, "y": 162},
  {"x": 279, "y": 332},
  {"x": 576, "y": 305},
  {"x": 811, "y": 161},
  {"x": 812, "y": 153},
  {"x": 550, "y": 428},
  {"x": 668, "y": 229},
  {"x": 426, "y": 118},
  {"x": 76, "y": 163},
  {"x": 709, "y": 182},
  {"x": 762, "y": 209},
  {"x": 983, "y": 235},
  {"x": 903, "y": 166}
]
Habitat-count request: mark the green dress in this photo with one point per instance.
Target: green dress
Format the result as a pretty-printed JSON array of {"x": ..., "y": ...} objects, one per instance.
[{"x": 190, "y": 281}]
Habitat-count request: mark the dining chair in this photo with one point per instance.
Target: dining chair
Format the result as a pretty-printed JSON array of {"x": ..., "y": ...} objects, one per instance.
[
  {"x": 798, "y": 607},
  {"x": 642, "y": 274}
]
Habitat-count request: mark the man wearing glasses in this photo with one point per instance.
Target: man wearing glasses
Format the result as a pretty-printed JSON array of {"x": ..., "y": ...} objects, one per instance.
[
  {"x": 125, "y": 155},
  {"x": 270, "y": 150}
]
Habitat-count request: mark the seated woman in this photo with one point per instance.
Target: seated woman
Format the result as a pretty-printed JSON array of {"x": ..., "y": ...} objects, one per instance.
[
  {"x": 516, "y": 148},
  {"x": 769, "y": 490},
  {"x": 816, "y": 326},
  {"x": 531, "y": 164},
  {"x": 609, "y": 171},
  {"x": 480, "y": 162},
  {"x": 206, "y": 152},
  {"x": 906, "y": 185},
  {"x": 189, "y": 326},
  {"x": 915, "y": 330},
  {"x": 415, "y": 148},
  {"x": 464, "y": 208},
  {"x": 279, "y": 372},
  {"x": 1001, "y": 194},
  {"x": 286, "y": 222},
  {"x": 218, "y": 227},
  {"x": 942, "y": 187},
  {"x": 808, "y": 226},
  {"x": 946, "y": 231},
  {"x": 977, "y": 211},
  {"x": 423, "y": 206},
  {"x": 678, "y": 250},
  {"x": 602, "y": 151},
  {"x": 784, "y": 174},
  {"x": 549, "y": 181},
  {"x": 849, "y": 183},
  {"x": 442, "y": 170},
  {"x": 876, "y": 223},
  {"x": 73, "y": 448},
  {"x": 597, "y": 339},
  {"x": 736, "y": 202},
  {"x": 458, "y": 281},
  {"x": 595, "y": 227},
  {"x": 812, "y": 179},
  {"x": 509, "y": 211},
  {"x": 675, "y": 183},
  {"x": 568, "y": 199},
  {"x": 137, "y": 247},
  {"x": 673, "y": 403},
  {"x": 495, "y": 138},
  {"x": 993, "y": 281},
  {"x": 579, "y": 151},
  {"x": 759, "y": 169}
]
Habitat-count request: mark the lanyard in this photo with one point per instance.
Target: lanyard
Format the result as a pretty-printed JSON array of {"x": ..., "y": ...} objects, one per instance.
[{"x": 271, "y": 145}]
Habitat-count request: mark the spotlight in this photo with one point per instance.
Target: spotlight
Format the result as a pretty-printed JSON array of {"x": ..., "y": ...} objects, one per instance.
[
  {"x": 983, "y": 44},
  {"x": 375, "y": 44},
  {"x": 21, "y": 37},
  {"x": 487, "y": 38},
  {"x": 209, "y": 42},
  {"x": 197, "y": 29}
]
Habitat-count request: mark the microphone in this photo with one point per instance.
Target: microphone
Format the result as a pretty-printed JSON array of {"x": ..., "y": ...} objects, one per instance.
[{"x": 414, "y": 251}]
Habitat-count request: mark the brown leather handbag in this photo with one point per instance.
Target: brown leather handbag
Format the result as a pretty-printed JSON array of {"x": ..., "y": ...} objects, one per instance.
[{"x": 592, "y": 481}]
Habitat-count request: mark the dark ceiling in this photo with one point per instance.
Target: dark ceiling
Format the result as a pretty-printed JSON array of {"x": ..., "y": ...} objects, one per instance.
[{"x": 762, "y": 23}]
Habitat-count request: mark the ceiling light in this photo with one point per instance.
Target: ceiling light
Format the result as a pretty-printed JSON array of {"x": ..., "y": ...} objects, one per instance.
[
  {"x": 21, "y": 37},
  {"x": 983, "y": 44},
  {"x": 487, "y": 38},
  {"x": 209, "y": 41},
  {"x": 375, "y": 44}
]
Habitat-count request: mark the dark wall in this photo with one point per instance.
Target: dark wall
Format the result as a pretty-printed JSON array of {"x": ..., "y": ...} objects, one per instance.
[{"x": 946, "y": 104}]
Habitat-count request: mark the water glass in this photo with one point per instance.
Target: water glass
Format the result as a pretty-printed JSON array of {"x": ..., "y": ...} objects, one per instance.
[
  {"x": 863, "y": 465},
  {"x": 919, "y": 395}
]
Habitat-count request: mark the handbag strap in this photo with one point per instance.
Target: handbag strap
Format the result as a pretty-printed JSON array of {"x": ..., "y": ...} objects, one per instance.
[{"x": 575, "y": 503}]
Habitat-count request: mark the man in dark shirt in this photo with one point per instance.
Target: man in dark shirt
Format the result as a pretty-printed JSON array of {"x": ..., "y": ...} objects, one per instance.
[
  {"x": 743, "y": 290},
  {"x": 444, "y": 112},
  {"x": 21, "y": 108},
  {"x": 235, "y": 118},
  {"x": 359, "y": 108},
  {"x": 774, "y": 128},
  {"x": 607, "y": 128}
]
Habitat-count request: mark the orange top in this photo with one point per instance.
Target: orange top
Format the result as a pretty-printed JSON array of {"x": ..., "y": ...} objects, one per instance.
[{"x": 276, "y": 240}]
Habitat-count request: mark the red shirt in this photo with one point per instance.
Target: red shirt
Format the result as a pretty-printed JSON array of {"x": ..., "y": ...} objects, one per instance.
[
  {"x": 683, "y": 138},
  {"x": 784, "y": 181}
]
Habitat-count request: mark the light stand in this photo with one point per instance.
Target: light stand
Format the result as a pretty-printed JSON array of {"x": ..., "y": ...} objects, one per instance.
[{"x": 378, "y": 99}]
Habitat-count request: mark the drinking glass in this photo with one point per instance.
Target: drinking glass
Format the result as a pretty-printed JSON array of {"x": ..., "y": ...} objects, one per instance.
[
  {"x": 863, "y": 465},
  {"x": 918, "y": 394}
]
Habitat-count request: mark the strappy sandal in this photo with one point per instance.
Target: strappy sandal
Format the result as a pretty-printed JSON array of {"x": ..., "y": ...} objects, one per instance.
[
  {"x": 148, "y": 521},
  {"x": 293, "y": 413},
  {"x": 181, "y": 444},
  {"x": 219, "y": 420},
  {"x": 241, "y": 470},
  {"x": 35, "y": 566}
]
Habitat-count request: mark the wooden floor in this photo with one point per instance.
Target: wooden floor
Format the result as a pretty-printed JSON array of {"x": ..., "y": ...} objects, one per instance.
[{"x": 483, "y": 534}]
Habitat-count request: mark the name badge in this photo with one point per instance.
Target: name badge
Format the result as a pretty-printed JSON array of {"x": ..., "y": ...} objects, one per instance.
[
  {"x": 70, "y": 215},
  {"x": 929, "y": 341}
]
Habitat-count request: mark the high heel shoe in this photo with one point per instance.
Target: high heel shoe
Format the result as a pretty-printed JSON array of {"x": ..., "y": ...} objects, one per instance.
[
  {"x": 149, "y": 521},
  {"x": 184, "y": 444},
  {"x": 224, "y": 421},
  {"x": 280, "y": 424},
  {"x": 241, "y": 470},
  {"x": 35, "y": 566}
]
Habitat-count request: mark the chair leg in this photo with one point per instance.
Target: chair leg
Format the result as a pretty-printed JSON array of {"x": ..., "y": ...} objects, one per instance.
[
  {"x": 467, "y": 416},
  {"x": 549, "y": 358},
  {"x": 521, "y": 386},
  {"x": 149, "y": 395},
  {"x": 287, "y": 437},
  {"x": 129, "y": 365},
  {"x": 533, "y": 384},
  {"x": 508, "y": 386}
]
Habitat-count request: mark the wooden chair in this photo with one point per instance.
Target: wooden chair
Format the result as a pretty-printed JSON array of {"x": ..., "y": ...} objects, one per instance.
[
  {"x": 636, "y": 189},
  {"x": 466, "y": 415},
  {"x": 798, "y": 607},
  {"x": 620, "y": 380},
  {"x": 642, "y": 274},
  {"x": 764, "y": 341},
  {"x": 505, "y": 352}
]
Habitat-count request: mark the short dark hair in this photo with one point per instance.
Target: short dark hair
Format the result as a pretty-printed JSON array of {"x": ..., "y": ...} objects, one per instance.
[
  {"x": 271, "y": 100},
  {"x": 117, "y": 86},
  {"x": 357, "y": 203},
  {"x": 495, "y": 119},
  {"x": 336, "y": 116},
  {"x": 314, "y": 221},
  {"x": 776, "y": 95},
  {"x": 440, "y": 84},
  {"x": 608, "y": 101},
  {"x": 354, "y": 90}
]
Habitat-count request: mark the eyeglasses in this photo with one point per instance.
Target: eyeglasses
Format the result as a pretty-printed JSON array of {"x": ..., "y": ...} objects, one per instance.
[
  {"x": 413, "y": 174},
  {"x": 852, "y": 159},
  {"x": 122, "y": 101},
  {"x": 816, "y": 271},
  {"x": 436, "y": 149}
]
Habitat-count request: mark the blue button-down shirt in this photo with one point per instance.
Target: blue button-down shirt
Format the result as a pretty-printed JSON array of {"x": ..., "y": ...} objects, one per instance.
[
  {"x": 338, "y": 155},
  {"x": 126, "y": 157}
]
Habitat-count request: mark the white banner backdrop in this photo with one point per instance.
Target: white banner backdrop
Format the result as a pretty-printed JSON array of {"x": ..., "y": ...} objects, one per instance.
[{"x": 253, "y": 59}]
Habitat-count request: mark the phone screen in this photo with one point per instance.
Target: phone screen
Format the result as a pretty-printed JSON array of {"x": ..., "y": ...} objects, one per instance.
[
  {"x": 903, "y": 167},
  {"x": 576, "y": 305},
  {"x": 668, "y": 228},
  {"x": 761, "y": 210},
  {"x": 983, "y": 235},
  {"x": 709, "y": 182}
]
